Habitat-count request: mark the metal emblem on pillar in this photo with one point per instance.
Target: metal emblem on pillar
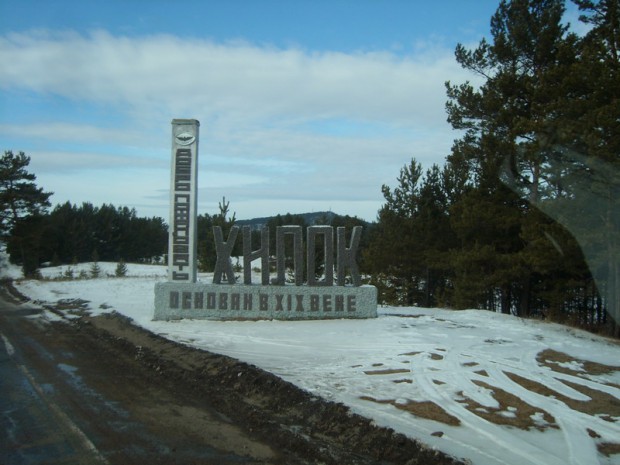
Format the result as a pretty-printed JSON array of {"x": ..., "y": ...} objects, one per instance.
[{"x": 182, "y": 244}]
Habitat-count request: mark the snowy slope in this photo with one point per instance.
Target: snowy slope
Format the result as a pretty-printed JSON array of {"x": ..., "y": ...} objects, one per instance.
[{"x": 500, "y": 390}]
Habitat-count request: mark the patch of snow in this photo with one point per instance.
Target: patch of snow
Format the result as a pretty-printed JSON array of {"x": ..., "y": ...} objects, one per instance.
[
  {"x": 443, "y": 356},
  {"x": 572, "y": 365},
  {"x": 8, "y": 269}
]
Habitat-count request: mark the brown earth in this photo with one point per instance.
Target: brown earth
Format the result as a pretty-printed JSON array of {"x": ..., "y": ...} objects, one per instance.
[{"x": 141, "y": 398}]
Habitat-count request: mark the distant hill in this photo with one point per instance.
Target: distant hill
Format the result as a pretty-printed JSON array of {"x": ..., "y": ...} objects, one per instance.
[{"x": 309, "y": 218}]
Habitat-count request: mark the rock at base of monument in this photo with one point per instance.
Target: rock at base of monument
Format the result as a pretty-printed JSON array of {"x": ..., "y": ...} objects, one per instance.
[{"x": 174, "y": 301}]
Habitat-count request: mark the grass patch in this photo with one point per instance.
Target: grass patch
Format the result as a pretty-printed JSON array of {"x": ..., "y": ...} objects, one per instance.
[
  {"x": 512, "y": 411},
  {"x": 426, "y": 409},
  {"x": 600, "y": 403},
  {"x": 552, "y": 359},
  {"x": 389, "y": 371},
  {"x": 608, "y": 448}
]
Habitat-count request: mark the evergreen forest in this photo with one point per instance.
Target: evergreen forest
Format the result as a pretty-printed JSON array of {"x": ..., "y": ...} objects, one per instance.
[
  {"x": 83, "y": 233},
  {"x": 523, "y": 217}
]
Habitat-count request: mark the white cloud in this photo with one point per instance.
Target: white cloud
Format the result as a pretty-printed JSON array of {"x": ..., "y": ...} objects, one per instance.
[
  {"x": 76, "y": 133},
  {"x": 72, "y": 162},
  {"x": 297, "y": 124},
  {"x": 142, "y": 187},
  {"x": 186, "y": 75}
]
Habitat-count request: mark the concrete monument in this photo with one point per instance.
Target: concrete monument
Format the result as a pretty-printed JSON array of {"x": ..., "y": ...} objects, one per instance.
[
  {"x": 182, "y": 243},
  {"x": 225, "y": 298}
]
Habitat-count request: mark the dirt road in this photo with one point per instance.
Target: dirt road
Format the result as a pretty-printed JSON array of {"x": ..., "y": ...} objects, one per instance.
[{"x": 101, "y": 390}]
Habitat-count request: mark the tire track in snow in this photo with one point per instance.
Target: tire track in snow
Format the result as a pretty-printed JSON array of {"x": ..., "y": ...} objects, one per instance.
[
  {"x": 553, "y": 380},
  {"x": 573, "y": 424},
  {"x": 503, "y": 441}
]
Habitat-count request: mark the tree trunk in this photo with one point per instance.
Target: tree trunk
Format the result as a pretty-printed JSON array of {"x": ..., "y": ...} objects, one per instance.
[
  {"x": 613, "y": 268},
  {"x": 505, "y": 300},
  {"x": 613, "y": 290},
  {"x": 427, "y": 297},
  {"x": 524, "y": 298}
]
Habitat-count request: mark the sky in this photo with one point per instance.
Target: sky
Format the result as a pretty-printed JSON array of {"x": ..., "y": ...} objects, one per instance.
[{"x": 304, "y": 106}]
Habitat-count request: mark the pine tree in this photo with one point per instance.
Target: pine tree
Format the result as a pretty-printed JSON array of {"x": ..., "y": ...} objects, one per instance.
[
  {"x": 22, "y": 204},
  {"x": 95, "y": 269},
  {"x": 590, "y": 161},
  {"x": 121, "y": 269},
  {"x": 206, "y": 244},
  {"x": 19, "y": 195},
  {"x": 393, "y": 253},
  {"x": 487, "y": 227},
  {"x": 581, "y": 175},
  {"x": 408, "y": 246},
  {"x": 507, "y": 142}
]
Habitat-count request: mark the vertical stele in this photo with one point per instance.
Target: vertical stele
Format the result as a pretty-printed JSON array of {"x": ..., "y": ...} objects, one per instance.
[{"x": 182, "y": 243}]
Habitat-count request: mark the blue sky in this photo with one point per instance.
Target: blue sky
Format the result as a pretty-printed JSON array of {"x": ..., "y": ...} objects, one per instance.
[{"x": 304, "y": 105}]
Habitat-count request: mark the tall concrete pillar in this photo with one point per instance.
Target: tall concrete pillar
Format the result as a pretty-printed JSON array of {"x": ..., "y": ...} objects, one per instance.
[{"x": 182, "y": 239}]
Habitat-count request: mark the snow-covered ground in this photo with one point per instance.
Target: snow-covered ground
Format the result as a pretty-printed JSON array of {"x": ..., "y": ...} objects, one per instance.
[{"x": 501, "y": 390}]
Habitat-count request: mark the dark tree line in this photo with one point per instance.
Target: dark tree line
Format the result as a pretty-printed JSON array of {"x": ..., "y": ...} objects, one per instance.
[
  {"x": 69, "y": 233},
  {"x": 206, "y": 245},
  {"x": 72, "y": 233},
  {"x": 333, "y": 220},
  {"x": 524, "y": 216}
]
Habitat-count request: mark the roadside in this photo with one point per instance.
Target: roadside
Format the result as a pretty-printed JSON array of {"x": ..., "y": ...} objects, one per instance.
[{"x": 141, "y": 398}]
